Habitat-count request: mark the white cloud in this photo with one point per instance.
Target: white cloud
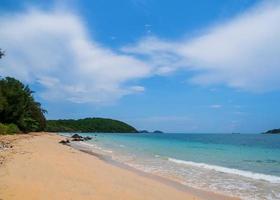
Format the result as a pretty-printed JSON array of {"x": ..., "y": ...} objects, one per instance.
[
  {"x": 242, "y": 53},
  {"x": 216, "y": 106},
  {"x": 54, "y": 49}
]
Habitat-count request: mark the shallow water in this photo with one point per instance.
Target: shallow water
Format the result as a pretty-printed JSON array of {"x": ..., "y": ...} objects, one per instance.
[{"x": 244, "y": 165}]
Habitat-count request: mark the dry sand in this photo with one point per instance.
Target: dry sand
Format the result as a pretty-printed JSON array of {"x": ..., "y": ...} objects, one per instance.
[{"x": 38, "y": 167}]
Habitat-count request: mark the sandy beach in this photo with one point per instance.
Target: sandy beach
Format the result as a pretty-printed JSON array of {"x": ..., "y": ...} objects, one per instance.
[{"x": 36, "y": 166}]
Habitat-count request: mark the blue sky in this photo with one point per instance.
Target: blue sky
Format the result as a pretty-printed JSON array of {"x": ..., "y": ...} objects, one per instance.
[{"x": 177, "y": 66}]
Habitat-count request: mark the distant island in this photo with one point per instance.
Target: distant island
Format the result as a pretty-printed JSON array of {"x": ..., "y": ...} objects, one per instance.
[
  {"x": 100, "y": 125},
  {"x": 145, "y": 131},
  {"x": 273, "y": 131},
  {"x": 157, "y": 131}
]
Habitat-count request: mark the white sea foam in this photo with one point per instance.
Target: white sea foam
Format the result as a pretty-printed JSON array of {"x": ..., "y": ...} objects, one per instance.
[
  {"x": 95, "y": 147},
  {"x": 248, "y": 174},
  {"x": 87, "y": 144},
  {"x": 107, "y": 151}
]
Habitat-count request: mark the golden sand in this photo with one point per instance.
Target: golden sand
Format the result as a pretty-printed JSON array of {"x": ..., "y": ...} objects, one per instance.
[{"x": 38, "y": 167}]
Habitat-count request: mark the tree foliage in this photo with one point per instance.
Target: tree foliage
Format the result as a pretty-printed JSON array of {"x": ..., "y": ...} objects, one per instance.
[
  {"x": 8, "y": 129},
  {"x": 89, "y": 125},
  {"x": 2, "y": 53},
  {"x": 17, "y": 106},
  {"x": 274, "y": 131}
]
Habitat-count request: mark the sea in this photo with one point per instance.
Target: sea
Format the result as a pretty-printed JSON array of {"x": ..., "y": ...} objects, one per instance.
[{"x": 240, "y": 165}]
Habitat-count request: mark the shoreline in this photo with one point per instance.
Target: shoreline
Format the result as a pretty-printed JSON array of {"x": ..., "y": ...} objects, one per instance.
[
  {"x": 203, "y": 194},
  {"x": 79, "y": 174}
]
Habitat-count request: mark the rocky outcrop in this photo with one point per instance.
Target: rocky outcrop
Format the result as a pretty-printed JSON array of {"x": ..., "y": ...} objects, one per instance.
[
  {"x": 64, "y": 141},
  {"x": 75, "y": 138}
]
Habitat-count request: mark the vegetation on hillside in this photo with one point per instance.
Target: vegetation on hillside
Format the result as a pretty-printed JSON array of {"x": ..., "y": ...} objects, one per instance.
[
  {"x": 273, "y": 131},
  {"x": 89, "y": 125}
]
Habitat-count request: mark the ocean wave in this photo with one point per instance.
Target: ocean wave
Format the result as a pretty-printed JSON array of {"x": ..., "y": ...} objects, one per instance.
[
  {"x": 248, "y": 174},
  {"x": 87, "y": 144}
]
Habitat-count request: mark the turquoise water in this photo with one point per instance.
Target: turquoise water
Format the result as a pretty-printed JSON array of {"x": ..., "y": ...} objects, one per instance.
[{"x": 244, "y": 165}]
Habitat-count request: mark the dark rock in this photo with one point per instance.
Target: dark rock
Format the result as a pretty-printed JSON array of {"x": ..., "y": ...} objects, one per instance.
[
  {"x": 87, "y": 138},
  {"x": 76, "y": 136},
  {"x": 64, "y": 142},
  {"x": 78, "y": 139}
]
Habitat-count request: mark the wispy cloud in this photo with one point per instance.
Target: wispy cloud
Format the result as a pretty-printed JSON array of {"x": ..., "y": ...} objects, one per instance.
[
  {"x": 216, "y": 106},
  {"x": 54, "y": 49},
  {"x": 240, "y": 113},
  {"x": 242, "y": 53}
]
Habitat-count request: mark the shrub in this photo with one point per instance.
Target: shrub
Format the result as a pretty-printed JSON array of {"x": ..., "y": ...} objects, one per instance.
[
  {"x": 8, "y": 129},
  {"x": 3, "y": 129},
  {"x": 12, "y": 129}
]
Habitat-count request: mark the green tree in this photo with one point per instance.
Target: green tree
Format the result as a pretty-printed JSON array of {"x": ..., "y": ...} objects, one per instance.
[
  {"x": 2, "y": 53},
  {"x": 18, "y": 106},
  {"x": 1, "y": 96}
]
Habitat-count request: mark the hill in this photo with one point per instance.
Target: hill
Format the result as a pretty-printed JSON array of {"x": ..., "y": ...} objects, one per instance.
[
  {"x": 273, "y": 131},
  {"x": 89, "y": 125}
]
